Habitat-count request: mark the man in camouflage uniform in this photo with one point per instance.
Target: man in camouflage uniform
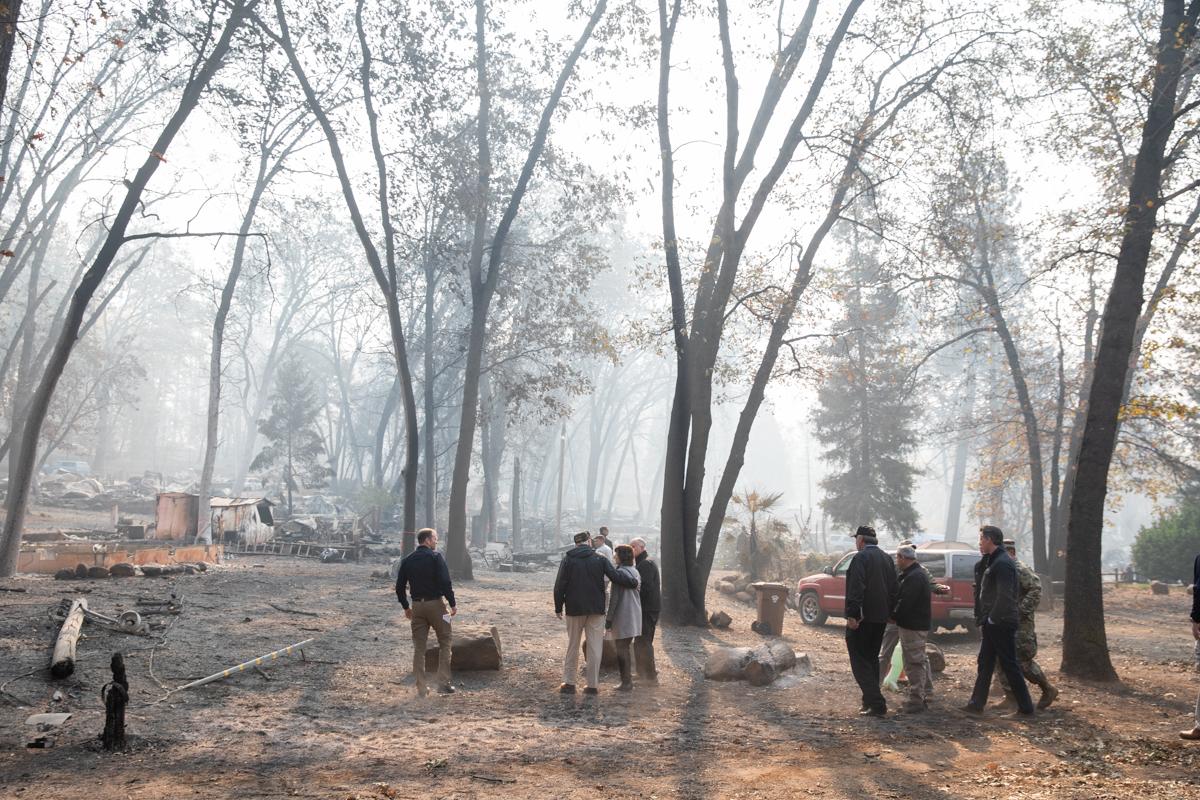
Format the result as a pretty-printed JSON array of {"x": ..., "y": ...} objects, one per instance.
[{"x": 1028, "y": 598}]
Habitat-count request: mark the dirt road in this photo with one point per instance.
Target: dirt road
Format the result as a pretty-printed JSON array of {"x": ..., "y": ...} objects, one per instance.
[{"x": 347, "y": 723}]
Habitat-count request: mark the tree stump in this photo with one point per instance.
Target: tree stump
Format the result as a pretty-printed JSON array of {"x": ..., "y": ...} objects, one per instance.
[
  {"x": 115, "y": 696},
  {"x": 608, "y": 653},
  {"x": 469, "y": 652},
  {"x": 1158, "y": 587},
  {"x": 62, "y": 662}
]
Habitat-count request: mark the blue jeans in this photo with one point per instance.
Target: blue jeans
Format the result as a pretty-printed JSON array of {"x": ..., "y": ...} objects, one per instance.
[{"x": 1000, "y": 642}]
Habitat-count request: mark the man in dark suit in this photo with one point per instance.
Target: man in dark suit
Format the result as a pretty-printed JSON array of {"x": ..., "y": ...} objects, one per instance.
[
  {"x": 997, "y": 613},
  {"x": 871, "y": 591},
  {"x": 651, "y": 591}
]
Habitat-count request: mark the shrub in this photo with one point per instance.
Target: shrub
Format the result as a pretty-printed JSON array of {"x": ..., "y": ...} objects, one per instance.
[{"x": 1167, "y": 549}]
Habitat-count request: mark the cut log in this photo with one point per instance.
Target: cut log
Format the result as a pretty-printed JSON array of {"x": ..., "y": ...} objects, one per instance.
[
  {"x": 1158, "y": 587},
  {"x": 122, "y": 569},
  {"x": 758, "y": 665},
  {"x": 725, "y": 587},
  {"x": 745, "y": 597},
  {"x": 98, "y": 572},
  {"x": 62, "y": 663},
  {"x": 65, "y": 575},
  {"x": 469, "y": 651}
]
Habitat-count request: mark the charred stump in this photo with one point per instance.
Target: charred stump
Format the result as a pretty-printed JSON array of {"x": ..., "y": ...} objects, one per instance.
[{"x": 115, "y": 695}]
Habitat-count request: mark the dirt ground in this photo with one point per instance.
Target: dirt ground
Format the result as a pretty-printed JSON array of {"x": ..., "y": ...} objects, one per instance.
[{"x": 346, "y": 722}]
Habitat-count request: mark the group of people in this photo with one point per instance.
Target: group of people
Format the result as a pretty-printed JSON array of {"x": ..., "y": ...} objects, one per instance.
[
  {"x": 890, "y": 603},
  {"x": 628, "y": 614}
]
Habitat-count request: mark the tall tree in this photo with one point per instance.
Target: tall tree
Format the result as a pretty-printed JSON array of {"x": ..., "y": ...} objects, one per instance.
[
  {"x": 293, "y": 439},
  {"x": 484, "y": 279},
  {"x": 866, "y": 417},
  {"x": 1085, "y": 641}
]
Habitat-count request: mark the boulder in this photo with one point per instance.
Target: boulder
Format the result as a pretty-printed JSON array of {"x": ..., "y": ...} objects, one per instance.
[{"x": 1158, "y": 587}]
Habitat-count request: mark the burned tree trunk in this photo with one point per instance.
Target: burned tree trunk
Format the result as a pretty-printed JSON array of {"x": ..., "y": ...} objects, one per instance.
[{"x": 115, "y": 696}]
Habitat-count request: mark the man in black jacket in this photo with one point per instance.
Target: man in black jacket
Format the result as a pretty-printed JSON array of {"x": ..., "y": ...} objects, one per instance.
[
  {"x": 579, "y": 588},
  {"x": 1194, "y": 733},
  {"x": 997, "y": 614},
  {"x": 871, "y": 589},
  {"x": 913, "y": 614},
  {"x": 425, "y": 572},
  {"x": 651, "y": 592}
]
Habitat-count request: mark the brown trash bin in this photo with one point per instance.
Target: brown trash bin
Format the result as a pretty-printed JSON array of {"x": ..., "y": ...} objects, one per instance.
[{"x": 772, "y": 601}]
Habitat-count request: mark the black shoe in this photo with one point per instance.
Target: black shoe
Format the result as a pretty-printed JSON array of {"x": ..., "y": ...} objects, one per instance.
[
  {"x": 1019, "y": 714},
  {"x": 567, "y": 688},
  {"x": 971, "y": 708},
  {"x": 591, "y": 690},
  {"x": 446, "y": 689},
  {"x": 874, "y": 712}
]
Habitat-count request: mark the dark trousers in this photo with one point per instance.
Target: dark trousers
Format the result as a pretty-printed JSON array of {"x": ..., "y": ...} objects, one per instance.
[
  {"x": 625, "y": 660},
  {"x": 999, "y": 643},
  {"x": 643, "y": 649},
  {"x": 863, "y": 644}
]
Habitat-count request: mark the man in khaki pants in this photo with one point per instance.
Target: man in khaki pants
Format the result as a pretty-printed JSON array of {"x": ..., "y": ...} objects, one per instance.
[
  {"x": 424, "y": 571},
  {"x": 579, "y": 589}
]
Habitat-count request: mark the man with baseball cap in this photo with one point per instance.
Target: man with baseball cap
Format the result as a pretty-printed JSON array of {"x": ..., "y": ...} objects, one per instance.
[
  {"x": 871, "y": 591},
  {"x": 913, "y": 614}
]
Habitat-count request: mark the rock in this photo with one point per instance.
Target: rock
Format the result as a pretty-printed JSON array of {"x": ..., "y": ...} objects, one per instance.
[
  {"x": 1158, "y": 587},
  {"x": 97, "y": 572},
  {"x": 65, "y": 575},
  {"x": 719, "y": 619},
  {"x": 122, "y": 569},
  {"x": 937, "y": 659},
  {"x": 745, "y": 597}
]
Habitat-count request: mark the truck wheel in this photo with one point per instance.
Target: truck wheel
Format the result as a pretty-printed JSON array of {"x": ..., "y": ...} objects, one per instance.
[{"x": 810, "y": 609}]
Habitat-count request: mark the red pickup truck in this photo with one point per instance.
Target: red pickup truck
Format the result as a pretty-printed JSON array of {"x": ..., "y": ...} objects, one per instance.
[{"x": 951, "y": 563}]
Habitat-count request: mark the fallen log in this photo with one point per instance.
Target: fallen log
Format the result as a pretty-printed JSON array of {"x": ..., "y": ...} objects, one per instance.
[
  {"x": 62, "y": 662},
  {"x": 757, "y": 665},
  {"x": 469, "y": 652}
]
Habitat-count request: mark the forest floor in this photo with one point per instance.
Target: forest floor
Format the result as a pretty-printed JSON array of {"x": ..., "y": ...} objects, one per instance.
[{"x": 346, "y": 722}]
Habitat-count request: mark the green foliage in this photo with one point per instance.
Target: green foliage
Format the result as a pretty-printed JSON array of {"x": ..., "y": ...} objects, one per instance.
[
  {"x": 1167, "y": 549},
  {"x": 865, "y": 418},
  {"x": 293, "y": 438}
]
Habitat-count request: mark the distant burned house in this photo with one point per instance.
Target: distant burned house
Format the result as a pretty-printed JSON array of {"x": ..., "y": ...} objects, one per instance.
[
  {"x": 242, "y": 520},
  {"x": 176, "y": 516}
]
